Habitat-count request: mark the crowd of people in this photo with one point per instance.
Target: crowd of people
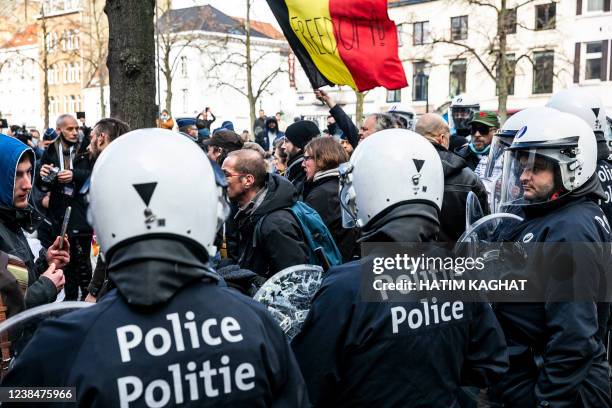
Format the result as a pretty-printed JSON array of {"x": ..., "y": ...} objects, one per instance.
[{"x": 191, "y": 222}]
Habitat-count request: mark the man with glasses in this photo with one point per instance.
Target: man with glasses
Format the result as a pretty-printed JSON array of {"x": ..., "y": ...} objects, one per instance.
[
  {"x": 482, "y": 128},
  {"x": 270, "y": 238}
]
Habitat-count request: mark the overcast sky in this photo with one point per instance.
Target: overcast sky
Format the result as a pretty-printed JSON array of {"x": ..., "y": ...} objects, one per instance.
[{"x": 237, "y": 8}]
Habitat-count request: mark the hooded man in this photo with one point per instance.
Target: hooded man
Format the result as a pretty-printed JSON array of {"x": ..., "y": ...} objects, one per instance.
[
  {"x": 45, "y": 277},
  {"x": 297, "y": 136},
  {"x": 172, "y": 333},
  {"x": 356, "y": 353},
  {"x": 268, "y": 136},
  {"x": 64, "y": 172}
]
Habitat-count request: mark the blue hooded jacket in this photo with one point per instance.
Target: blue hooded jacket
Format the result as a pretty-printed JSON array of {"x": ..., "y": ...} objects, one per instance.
[{"x": 11, "y": 152}]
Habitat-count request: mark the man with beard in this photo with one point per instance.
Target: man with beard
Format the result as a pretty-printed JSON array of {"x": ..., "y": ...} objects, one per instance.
[
  {"x": 65, "y": 169},
  {"x": 269, "y": 135},
  {"x": 102, "y": 134}
]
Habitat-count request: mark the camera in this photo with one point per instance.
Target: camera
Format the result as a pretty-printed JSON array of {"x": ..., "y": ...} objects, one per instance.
[
  {"x": 50, "y": 178},
  {"x": 22, "y": 134}
]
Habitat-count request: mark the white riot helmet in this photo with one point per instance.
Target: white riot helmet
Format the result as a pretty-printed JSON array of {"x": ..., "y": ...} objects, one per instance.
[
  {"x": 390, "y": 167},
  {"x": 404, "y": 115},
  {"x": 461, "y": 112},
  {"x": 155, "y": 182},
  {"x": 585, "y": 105},
  {"x": 559, "y": 146}
]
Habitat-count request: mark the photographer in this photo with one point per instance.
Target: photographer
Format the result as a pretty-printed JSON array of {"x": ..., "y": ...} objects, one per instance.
[{"x": 65, "y": 169}]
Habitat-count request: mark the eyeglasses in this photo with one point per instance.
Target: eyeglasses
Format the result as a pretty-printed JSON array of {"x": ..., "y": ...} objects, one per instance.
[
  {"x": 482, "y": 129},
  {"x": 227, "y": 174}
]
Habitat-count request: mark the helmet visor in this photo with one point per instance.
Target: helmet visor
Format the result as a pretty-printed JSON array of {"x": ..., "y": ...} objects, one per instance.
[
  {"x": 461, "y": 117},
  {"x": 529, "y": 178},
  {"x": 347, "y": 196}
]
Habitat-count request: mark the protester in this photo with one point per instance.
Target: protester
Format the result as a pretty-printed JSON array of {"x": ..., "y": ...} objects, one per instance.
[
  {"x": 246, "y": 136},
  {"x": 259, "y": 123},
  {"x": 205, "y": 119},
  {"x": 103, "y": 133},
  {"x": 221, "y": 143},
  {"x": 375, "y": 123},
  {"x": 280, "y": 158},
  {"x": 556, "y": 353},
  {"x": 269, "y": 135},
  {"x": 296, "y": 138},
  {"x": 280, "y": 121},
  {"x": 64, "y": 172},
  {"x": 270, "y": 238},
  {"x": 459, "y": 180},
  {"x": 45, "y": 276},
  {"x": 354, "y": 352},
  {"x": 240, "y": 350},
  {"x": 476, "y": 153},
  {"x": 165, "y": 121},
  {"x": 322, "y": 156},
  {"x": 341, "y": 120}
]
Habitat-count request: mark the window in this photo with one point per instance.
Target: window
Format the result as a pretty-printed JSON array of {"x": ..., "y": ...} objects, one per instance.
[
  {"x": 51, "y": 104},
  {"x": 458, "y": 69},
  {"x": 184, "y": 67},
  {"x": 394, "y": 95},
  {"x": 511, "y": 71},
  {"x": 510, "y": 21},
  {"x": 545, "y": 16},
  {"x": 66, "y": 71},
  {"x": 595, "y": 5},
  {"x": 420, "y": 81},
  {"x": 420, "y": 33},
  {"x": 75, "y": 39},
  {"x": 459, "y": 28},
  {"x": 400, "y": 34},
  {"x": 185, "y": 99},
  {"x": 72, "y": 107},
  {"x": 543, "y": 72},
  {"x": 593, "y": 59}
]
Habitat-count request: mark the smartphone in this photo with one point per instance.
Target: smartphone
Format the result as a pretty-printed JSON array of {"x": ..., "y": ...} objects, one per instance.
[{"x": 65, "y": 226}]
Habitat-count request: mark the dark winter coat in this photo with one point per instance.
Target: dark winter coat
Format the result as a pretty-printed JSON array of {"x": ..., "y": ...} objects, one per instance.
[
  {"x": 296, "y": 174},
  {"x": 323, "y": 196},
  {"x": 280, "y": 242},
  {"x": 459, "y": 180},
  {"x": 345, "y": 124},
  {"x": 472, "y": 159},
  {"x": 556, "y": 351},
  {"x": 58, "y": 201},
  {"x": 40, "y": 290},
  {"x": 262, "y": 139},
  {"x": 350, "y": 355}
]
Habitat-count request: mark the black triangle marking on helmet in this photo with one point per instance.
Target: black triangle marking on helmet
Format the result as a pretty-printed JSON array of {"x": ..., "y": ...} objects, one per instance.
[
  {"x": 595, "y": 111},
  {"x": 145, "y": 191},
  {"x": 418, "y": 164}
]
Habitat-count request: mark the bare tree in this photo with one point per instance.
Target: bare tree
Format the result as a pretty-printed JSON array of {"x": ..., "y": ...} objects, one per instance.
[
  {"x": 492, "y": 53},
  {"x": 131, "y": 61},
  {"x": 95, "y": 53},
  {"x": 249, "y": 61}
]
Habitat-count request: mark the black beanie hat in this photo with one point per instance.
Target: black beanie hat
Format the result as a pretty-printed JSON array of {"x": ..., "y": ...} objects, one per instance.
[{"x": 302, "y": 132}]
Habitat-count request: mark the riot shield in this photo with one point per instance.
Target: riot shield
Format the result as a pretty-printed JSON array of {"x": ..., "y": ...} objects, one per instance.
[
  {"x": 288, "y": 294},
  {"x": 16, "y": 332},
  {"x": 473, "y": 210}
]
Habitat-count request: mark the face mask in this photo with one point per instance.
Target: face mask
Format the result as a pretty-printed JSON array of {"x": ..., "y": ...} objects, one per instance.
[{"x": 164, "y": 117}]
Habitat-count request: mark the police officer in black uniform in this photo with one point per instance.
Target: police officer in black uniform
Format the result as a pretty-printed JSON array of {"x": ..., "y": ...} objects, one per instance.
[
  {"x": 375, "y": 354},
  {"x": 557, "y": 358},
  {"x": 172, "y": 333}
]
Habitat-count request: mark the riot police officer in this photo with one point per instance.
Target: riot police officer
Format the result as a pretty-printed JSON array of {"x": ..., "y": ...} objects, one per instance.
[{"x": 172, "y": 333}]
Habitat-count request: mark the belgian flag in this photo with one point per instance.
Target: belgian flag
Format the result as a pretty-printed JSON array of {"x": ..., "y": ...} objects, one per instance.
[{"x": 343, "y": 42}]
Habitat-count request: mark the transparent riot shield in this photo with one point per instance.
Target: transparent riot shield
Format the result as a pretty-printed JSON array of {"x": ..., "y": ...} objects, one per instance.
[
  {"x": 16, "y": 332},
  {"x": 473, "y": 210},
  {"x": 476, "y": 242},
  {"x": 288, "y": 294}
]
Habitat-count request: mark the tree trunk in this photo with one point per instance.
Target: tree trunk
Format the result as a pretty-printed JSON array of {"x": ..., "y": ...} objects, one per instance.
[
  {"x": 167, "y": 71},
  {"x": 249, "y": 66},
  {"x": 504, "y": 74},
  {"x": 131, "y": 61},
  {"x": 45, "y": 69},
  {"x": 102, "y": 101},
  {"x": 359, "y": 107}
]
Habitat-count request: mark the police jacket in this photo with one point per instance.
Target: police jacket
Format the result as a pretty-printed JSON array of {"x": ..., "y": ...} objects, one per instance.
[
  {"x": 352, "y": 355},
  {"x": 12, "y": 240},
  {"x": 279, "y": 242},
  {"x": 59, "y": 200},
  {"x": 604, "y": 174},
  {"x": 459, "y": 180},
  {"x": 184, "y": 339},
  {"x": 322, "y": 194},
  {"x": 557, "y": 357}
]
